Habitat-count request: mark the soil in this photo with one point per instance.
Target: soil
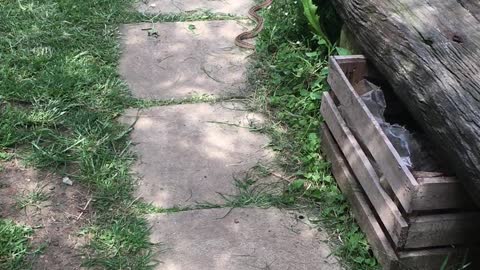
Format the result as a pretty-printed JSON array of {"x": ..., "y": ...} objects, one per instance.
[{"x": 56, "y": 221}]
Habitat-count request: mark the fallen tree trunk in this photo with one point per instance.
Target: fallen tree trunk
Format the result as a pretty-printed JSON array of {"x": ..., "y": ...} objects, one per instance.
[{"x": 429, "y": 50}]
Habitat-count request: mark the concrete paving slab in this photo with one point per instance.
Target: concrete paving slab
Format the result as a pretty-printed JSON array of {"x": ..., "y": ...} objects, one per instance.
[
  {"x": 245, "y": 239},
  {"x": 233, "y": 7},
  {"x": 190, "y": 153},
  {"x": 176, "y": 60}
]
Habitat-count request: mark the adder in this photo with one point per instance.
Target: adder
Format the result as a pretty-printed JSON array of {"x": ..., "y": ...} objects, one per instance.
[{"x": 239, "y": 40}]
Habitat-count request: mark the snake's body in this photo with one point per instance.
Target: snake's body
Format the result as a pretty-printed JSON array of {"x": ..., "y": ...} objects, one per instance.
[{"x": 240, "y": 39}]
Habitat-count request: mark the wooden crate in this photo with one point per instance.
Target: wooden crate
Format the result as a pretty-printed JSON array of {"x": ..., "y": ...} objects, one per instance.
[
  {"x": 389, "y": 258},
  {"x": 415, "y": 210}
]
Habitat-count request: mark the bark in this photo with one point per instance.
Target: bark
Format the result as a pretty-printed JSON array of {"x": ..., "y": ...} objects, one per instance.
[{"x": 429, "y": 50}]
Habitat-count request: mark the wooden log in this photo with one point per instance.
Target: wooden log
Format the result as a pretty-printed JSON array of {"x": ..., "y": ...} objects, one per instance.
[{"x": 429, "y": 50}]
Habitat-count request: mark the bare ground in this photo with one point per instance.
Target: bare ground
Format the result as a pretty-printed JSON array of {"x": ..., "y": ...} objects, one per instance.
[{"x": 56, "y": 218}]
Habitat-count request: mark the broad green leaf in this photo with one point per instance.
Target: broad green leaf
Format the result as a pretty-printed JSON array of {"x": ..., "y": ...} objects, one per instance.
[
  {"x": 343, "y": 51},
  {"x": 310, "y": 11}
]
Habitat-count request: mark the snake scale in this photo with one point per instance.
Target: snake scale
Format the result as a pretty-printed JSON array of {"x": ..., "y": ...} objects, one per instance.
[{"x": 239, "y": 40}]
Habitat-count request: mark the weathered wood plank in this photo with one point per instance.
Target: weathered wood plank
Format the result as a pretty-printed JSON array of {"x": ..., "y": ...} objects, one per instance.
[
  {"x": 353, "y": 66},
  {"x": 422, "y": 174},
  {"x": 391, "y": 217},
  {"x": 433, "y": 259},
  {"x": 443, "y": 230},
  {"x": 364, "y": 216},
  {"x": 370, "y": 133},
  {"x": 441, "y": 193},
  {"x": 429, "y": 51}
]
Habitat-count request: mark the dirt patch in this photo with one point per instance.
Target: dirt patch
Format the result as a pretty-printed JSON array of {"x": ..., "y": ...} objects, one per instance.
[{"x": 54, "y": 210}]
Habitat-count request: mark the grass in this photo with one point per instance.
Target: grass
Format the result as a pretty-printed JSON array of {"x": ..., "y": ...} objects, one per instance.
[
  {"x": 290, "y": 76},
  {"x": 13, "y": 245},
  {"x": 59, "y": 97}
]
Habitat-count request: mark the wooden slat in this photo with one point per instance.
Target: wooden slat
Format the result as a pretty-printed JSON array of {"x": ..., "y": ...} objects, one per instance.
[
  {"x": 354, "y": 67},
  {"x": 391, "y": 217},
  {"x": 443, "y": 230},
  {"x": 360, "y": 207},
  {"x": 370, "y": 133},
  {"x": 433, "y": 259},
  {"x": 441, "y": 193},
  {"x": 422, "y": 174}
]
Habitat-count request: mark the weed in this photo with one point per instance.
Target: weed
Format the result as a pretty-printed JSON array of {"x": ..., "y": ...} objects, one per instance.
[
  {"x": 13, "y": 245},
  {"x": 310, "y": 11},
  {"x": 253, "y": 193}
]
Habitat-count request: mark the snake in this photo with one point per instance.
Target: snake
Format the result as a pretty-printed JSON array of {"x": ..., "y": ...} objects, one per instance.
[{"x": 252, "y": 12}]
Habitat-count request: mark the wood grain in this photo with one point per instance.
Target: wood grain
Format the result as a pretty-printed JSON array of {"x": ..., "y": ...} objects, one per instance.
[{"x": 443, "y": 230}]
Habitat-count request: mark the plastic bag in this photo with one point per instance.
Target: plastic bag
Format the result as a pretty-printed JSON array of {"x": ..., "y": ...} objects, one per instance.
[
  {"x": 408, "y": 145},
  {"x": 375, "y": 100}
]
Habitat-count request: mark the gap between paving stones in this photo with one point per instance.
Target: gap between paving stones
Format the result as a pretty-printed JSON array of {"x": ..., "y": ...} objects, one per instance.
[{"x": 147, "y": 103}]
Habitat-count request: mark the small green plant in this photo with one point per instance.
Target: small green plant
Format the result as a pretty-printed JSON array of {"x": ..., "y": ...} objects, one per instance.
[
  {"x": 33, "y": 198},
  {"x": 310, "y": 11},
  {"x": 5, "y": 156},
  {"x": 14, "y": 246}
]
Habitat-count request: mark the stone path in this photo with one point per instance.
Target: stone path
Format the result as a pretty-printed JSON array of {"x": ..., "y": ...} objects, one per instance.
[{"x": 192, "y": 154}]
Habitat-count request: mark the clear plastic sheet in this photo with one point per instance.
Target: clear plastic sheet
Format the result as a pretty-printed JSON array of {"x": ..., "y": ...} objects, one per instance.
[{"x": 407, "y": 144}]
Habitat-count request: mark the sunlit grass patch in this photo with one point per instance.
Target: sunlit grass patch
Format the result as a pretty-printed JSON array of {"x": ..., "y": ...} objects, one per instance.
[
  {"x": 14, "y": 245},
  {"x": 60, "y": 94}
]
